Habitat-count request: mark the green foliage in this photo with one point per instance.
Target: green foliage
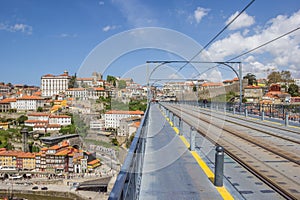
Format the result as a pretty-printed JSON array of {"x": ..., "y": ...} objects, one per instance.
[
  {"x": 70, "y": 129},
  {"x": 230, "y": 96},
  {"x": 138, "y": 105},
  {"x": 114, "y": 141},
  {"x": 122, "y": 84},
  {"x": 293, "y": 90},
  {"x": 283, "y": 76},
  {"x": 39, "y": 109},
  {"x": 110, "y": 79},
  {"x": 22, "y": 119},
  {"x": 251, "y": 79},
  {"x": 72, "y": 82},
  {"x": 129, "y": 141}
]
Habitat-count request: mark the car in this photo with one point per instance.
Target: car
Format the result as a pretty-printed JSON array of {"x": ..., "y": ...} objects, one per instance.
[
  {"x": 35, "y": 188},
  {"x": 44, "y": 188}
]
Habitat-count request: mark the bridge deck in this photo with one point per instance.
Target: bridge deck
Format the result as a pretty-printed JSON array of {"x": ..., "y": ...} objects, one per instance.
[{"x": 170, "y": 171}]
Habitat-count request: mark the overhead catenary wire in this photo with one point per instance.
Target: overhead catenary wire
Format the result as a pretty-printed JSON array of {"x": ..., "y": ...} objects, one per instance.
[
  {"x": 254, "y": 49},
  {"x": 217, "y": 35}
]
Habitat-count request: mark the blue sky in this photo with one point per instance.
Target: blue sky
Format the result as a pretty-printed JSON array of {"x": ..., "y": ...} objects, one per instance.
[{"x": 41, "y": 37}]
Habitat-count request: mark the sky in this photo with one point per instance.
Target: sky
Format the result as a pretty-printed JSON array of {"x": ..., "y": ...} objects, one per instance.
[{"x": 118, "y": 37}]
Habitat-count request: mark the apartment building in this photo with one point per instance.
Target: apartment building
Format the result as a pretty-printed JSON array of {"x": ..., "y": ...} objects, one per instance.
[
  {"x": 29, "y": 103},
  {"x": 113, "y": 117}
]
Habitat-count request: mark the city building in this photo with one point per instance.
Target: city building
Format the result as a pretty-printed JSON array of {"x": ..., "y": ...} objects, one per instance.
[
  {"x": 128, "y": 126},
  {"x": 8, "y": 104},
  {"x": 54, "y": 85},
  {"x": 113, "y": 117},
  {"x": 29, "y": 103},
  {"x": 253, "y": 94}
]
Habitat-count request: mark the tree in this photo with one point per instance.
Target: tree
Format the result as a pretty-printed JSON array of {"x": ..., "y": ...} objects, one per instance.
[
  {"x": 293, "y": 90},
  {"x": 251, "y": 79},
  {"x": 122, "y": 84},
  {"x": 22, "y": 119},
  {"x": 72, "y": 82},
  {"x": 274, "y": 77},
  {"x": 39, "y": 109},
  {"x": 286, "y": 76}
]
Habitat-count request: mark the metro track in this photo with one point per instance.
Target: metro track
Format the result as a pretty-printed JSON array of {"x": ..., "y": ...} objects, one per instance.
[{"x": 271, "y": 163}]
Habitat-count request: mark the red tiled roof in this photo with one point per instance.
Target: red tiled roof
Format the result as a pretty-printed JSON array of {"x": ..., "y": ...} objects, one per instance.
[
  {"x": 211, "y": 84},
  {"x": 59, "y": 116},
  {"x": 137, "y": 112},
  {"x": 94, "y": 162},
  {"x": 30, "y": 98},
  {"x": 99, "y": 89},
  {"x": 8, "y": 100},
  {"x": 252, "y": 87},
  {"x": 38, "y": 114},
  {"x": 35, "y": 121}
]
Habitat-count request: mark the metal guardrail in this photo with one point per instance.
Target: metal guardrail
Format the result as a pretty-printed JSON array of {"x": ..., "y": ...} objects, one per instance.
[{"x": 127, "y": 185}]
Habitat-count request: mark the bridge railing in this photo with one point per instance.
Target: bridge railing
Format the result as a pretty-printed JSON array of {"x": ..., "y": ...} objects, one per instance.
[{"x": 127, "y": 185}]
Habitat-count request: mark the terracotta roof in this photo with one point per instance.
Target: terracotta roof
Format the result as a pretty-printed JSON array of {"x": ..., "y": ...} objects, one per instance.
[
  {"x": 137, "y": 124},
  {"x": 211, "y": 84},
  {"x": 76, "y": 89},
  {"x": 236, "y": 79},
  {"x": 38, "y": 114},
  {"x": 8, "y": 100},
  {"x": 48, "y": 75},
  {"x": 44, "y": 149},
  {"x": 84, "y": 79},
  {"x": 99, "y": 89},
  {"x": 55, "y": 147},
  {"x": 63, "y": 152},
  {"x": 26, "y": 155},
  {"x": 59, "y": 116},
  {"x": 228, "y": 81},
  {"x": 94, "y": 162},
  {"x": 30, "y": 98},
  {"x": 137, "y": 112},
  {"x": 35, "y": 121},
  {"x": 252, "y": 87}
]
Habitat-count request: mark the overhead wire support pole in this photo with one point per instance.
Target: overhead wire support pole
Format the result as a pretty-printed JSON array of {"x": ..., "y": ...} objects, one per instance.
[{"x": 238, "y": 74}]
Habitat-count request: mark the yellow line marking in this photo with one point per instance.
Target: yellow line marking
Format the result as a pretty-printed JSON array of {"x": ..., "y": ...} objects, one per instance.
[
  {"x": 295, "y": 127},
  {"x": 187, "y": 144},
  {"x": 203, "y": 165},
  {"x": 222, "y": 190},
  {"x": 176, "y": 130},
  {"x": 224, "y": 193}
]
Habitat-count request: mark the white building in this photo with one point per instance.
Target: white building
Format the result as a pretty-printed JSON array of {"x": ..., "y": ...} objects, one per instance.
[
  {"x": 87, "y": 93},
  {"x": 128, "y": 126},
  {"x": 112, "y": 118},
  {"x": 26, "y": 103},
  {"x": 54, "y": 85},
  {"x": 297, "y": 81},
  {"x": 62, "y": 120},
  {"x": 97, "y": 124}
]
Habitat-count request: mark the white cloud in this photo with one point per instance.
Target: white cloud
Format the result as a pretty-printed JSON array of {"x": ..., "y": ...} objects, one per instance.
[
  {"x": 101, "y": 3},
  {"x": 23, "y": 28},
  {"x": 244, "y": 20},
  {"x": 67, "y": 35},
  {"x": 109, "y": 28},
  {"x": 199, "y": 13},
  {"x": 280, "y": 54}
]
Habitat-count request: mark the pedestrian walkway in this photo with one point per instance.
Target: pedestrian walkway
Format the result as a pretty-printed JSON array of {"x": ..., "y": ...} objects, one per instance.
[{"x": 170, "y": 171}]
